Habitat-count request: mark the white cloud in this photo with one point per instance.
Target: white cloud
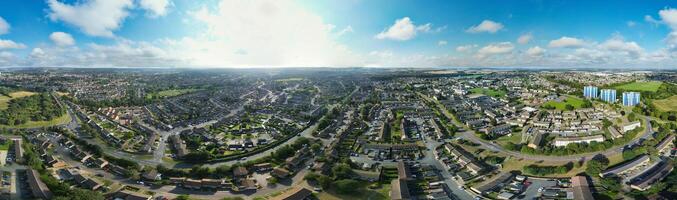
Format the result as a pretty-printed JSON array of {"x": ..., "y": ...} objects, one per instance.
[
  {"x": 496, "y": 48},
  {"x": 651, "y": 20},
  {"x": 486, "y": 26},
  {"x": 441, "y": 43},
  {"x": 156, "y": 8},
  {"x": 618, "y": 44},
  {"x": 525, "y": 38},
  {"x": 536, "y": 51},
  {"x": 272, "y": 32},
  {"x": 4, "y": 26},
  {"x": 669, "y": 17},
  {"x": 62, "y": 39},
  {"x": 566, "y": 42},
  {"x": 631, "y": 23},
  {"x": 465, "y": 48},
  {"x": 347, "y": 29},
  {"x": 404, "y": 29},
  {"x": 93, "y": 17},
  {"x": 9, "y": 44}
]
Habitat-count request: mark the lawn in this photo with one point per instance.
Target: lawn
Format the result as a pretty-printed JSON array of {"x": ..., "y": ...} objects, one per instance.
[
  {"x": 650, "y": 86},
  {"x": 4, "y": 100},
  {"x": 666, "y": 105},
  {"x": 5, "y": 146},
  {"x": 571, "y": 100},
  {"x": 488, "y": 92},
  {"x": 361, "y": 192},
  {"x": 64, "y": 119},
  {"x": 170, "y": 93}
]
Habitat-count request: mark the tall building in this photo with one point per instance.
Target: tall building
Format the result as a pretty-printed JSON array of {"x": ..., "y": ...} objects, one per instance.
[
  {"x": 590, "y": 92},
  {"x": 608, "y": 95},
  {"x": 630, "y": 98}
]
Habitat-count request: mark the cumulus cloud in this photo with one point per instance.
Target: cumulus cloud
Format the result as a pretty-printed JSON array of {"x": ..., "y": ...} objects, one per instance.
[
  {"x": 441, "y": 43},
  {"x": 4, "y": 26},
  {"x": 9, "y": 44},
  {"x": 525, "y": 38},
  {"x": 566, "y": 42},
  {"x": 272, "y": 32},
  {"x": 535, "y": 51},
  {"x": 465, "y": 48},
  {"x": 618, "y": 44},
  {"x": 93, "y": 17},
  {"x": 156, "y": 8},
  {"x": 495, "y": 49},
  {"x": 487, "y": 26},
  {"x": 62, "y": 39},
  {"x": 403, "y": 29}
]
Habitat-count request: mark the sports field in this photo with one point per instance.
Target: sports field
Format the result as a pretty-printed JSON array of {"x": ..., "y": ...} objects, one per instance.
[
  {"x": 4, "y": 100},
  {"x": 666, "y": 105},
  {"x": 649, "y": 86}
]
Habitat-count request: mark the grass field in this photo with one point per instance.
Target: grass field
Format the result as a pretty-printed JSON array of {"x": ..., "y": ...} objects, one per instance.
[
  {"x": 5, "y": 146},
  {"x": 666, "y": 105},
  {"x": 571, "y": 100},
  {"x": 4, "y": 100},
  {"x": 170, "y": 93},
  {"x": 361, "y": 192},
  {"x": 488, "y": 92},
  {"x": 64, "y": 119},
  {"x": 650, "y": 86}
]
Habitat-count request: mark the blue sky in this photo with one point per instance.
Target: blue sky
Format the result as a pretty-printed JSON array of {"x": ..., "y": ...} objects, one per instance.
[{"x": 313, "y": 33}]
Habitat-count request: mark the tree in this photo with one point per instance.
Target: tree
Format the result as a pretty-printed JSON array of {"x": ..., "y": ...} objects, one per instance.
[
  {"x": 569, "y": 107},
  {"x": 342, "y": 171},
  {"x": 596, "y": 165}
]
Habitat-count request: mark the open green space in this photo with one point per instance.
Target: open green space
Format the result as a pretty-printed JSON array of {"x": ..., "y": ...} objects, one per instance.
[
  {"x": 649, "y": 86},
  {"x": 361, "y": 191},
  {"x": 5, "y": 145},
  {"x": 64, "y": 119},
  {"x": 488, "y": 92},
  {"x": 561, "y": 105},
  {"x": 4, "y": 100},
  {"x": 666, "y": 105},
  {"x": 170, "y": 93}
]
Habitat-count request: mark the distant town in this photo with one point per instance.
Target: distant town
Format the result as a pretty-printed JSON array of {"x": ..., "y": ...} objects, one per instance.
[{"x": 343, "y": 133}]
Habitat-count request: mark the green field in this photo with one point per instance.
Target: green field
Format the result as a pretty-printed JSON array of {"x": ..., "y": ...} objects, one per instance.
[
  {"x": 488, "y": 92},
  {"x": 666, "y": 105},
  {"x": 64, "y": 119},
  {"x": 170, "y": 93},
  {"x": 650, "y": 86},
  {"x": 5, "y": 146},
  {"x": 4, "y": 100},
  {"x": 571, "y": 100}
]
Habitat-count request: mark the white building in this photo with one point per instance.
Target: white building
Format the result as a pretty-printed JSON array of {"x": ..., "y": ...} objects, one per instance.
[
  {"x": 631, "y": 126},
  {"x": 564, "y": 141}
]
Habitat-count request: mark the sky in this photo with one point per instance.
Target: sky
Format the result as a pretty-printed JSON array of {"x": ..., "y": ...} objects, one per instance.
[{"x": 338, "y": 33}]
